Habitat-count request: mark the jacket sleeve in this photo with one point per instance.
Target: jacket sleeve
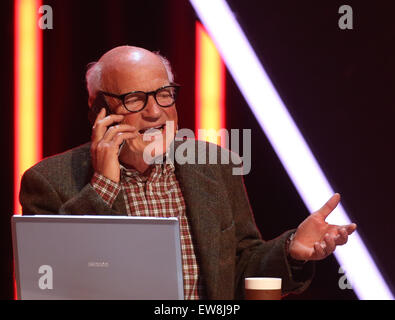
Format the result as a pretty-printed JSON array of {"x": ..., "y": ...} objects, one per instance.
[
  {"x": 39, "y": 196},
  {"x": 256, "y": 257}
]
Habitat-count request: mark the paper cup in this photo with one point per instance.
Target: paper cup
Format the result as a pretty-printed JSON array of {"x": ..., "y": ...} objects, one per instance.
[{"x": 262, "y": 288}]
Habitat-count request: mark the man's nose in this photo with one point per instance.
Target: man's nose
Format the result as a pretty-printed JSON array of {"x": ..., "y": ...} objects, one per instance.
[{"x": 152, "y": 110}]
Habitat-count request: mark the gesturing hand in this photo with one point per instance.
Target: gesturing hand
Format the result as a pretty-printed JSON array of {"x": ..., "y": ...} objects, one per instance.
[
  {"x": 106, "y": 143},
  {"x": 315, "y": 239}
]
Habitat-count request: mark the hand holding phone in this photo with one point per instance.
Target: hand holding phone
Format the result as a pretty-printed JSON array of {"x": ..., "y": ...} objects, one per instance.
[{"x": 108, "y": 135}]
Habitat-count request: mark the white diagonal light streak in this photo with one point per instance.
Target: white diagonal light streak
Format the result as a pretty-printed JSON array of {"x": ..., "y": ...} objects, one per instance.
[{"x": 287, "y": 141}]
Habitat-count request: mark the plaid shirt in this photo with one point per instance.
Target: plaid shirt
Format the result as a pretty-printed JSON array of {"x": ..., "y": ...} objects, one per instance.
[{"x": 157, "y": 194}]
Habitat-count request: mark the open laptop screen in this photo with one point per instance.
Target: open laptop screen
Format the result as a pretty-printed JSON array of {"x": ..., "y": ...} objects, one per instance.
[{"x": 97, "y": 257}]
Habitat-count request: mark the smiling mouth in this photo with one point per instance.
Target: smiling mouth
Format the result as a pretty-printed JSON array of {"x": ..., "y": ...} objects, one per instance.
[{"x": 152, "y": 130}]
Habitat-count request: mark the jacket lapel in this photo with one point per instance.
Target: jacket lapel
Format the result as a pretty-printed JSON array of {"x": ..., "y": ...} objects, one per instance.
[
  {"x": 119, "y": 204},
  {"x": 201, "y": 196}
]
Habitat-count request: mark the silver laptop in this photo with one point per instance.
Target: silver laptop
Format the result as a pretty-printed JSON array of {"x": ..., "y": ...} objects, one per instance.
[{"x": 97, "y": 257}]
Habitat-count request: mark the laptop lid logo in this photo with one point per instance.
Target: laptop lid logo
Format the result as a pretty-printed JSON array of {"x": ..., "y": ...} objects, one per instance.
[{"x": 46, "y": 280}]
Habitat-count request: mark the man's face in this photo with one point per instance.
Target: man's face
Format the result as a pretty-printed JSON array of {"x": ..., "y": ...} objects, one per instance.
[{"x": 147, "y": 74}]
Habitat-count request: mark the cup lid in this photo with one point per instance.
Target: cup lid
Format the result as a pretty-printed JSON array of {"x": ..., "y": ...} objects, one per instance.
[{"x": 256, "y": 283}]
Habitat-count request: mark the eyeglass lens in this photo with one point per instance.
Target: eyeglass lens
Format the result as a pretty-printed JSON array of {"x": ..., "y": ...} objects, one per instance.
[{"x": 165, "y": 97}]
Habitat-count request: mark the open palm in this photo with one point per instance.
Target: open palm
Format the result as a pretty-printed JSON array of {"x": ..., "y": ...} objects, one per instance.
[{"x": 315, "y": 239}]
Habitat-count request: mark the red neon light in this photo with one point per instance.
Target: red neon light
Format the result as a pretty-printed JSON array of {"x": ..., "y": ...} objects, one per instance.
[
  {"x": 27, "y": 92},
  {"x": 210, "y": 85}
]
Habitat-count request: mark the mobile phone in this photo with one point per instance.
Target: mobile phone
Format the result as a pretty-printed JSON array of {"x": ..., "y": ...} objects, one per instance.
[{"x": 99, "y": 103}]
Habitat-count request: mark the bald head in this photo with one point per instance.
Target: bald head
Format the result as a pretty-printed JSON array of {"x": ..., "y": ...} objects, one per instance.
[
  {"x": 126, "y": 68},
  {"x": 126, "y": 54}
]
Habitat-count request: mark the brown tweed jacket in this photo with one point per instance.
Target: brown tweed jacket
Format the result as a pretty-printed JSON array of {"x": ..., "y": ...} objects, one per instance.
[{"x": 229, "y": 245}]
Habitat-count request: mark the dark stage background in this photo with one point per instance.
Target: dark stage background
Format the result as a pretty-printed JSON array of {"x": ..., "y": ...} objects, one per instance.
[{"x": 338, "y": 85}]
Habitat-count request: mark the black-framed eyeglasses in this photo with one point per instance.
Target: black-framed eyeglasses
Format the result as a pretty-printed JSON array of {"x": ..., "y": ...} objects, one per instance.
[{"x": 136, "y": 101}]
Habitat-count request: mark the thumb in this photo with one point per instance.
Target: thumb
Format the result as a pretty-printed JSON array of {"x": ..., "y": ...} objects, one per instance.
[{"x": 329, "y": 206}]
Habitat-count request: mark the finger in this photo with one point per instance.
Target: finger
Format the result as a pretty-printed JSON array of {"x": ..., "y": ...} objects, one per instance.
[
  {"x": 115, "y": 130},
  {"x": 330, "y": 244},
  {"x": 341, "y": 237},
  {"x": 122, "y": 136},
  {"x": 350, "y": 228},
  {"x": 100, "y": 126},
  {"x": 329, "y": 206},
  {"x": 319, "y": 252},
  {"x": 101, "y": 115}
]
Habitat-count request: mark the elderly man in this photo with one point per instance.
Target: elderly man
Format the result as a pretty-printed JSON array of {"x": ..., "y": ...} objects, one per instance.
[{"x": 132, "y": 96}]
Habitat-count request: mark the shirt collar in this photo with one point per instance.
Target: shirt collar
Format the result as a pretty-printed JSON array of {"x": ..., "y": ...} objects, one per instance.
[{"x": 162, "y": 165}]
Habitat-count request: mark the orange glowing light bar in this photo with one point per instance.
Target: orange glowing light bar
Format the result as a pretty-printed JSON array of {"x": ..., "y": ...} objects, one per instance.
[
  {"x": 210, "y": 87},
  {"x": 28, "y": 90}
]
